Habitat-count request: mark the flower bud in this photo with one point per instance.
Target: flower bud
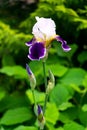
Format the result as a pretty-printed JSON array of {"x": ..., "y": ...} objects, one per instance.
[
  {"x": 31, "y": 77},
  {"x": 40, "y": 117},
  {"x": 51, "y": 82}
]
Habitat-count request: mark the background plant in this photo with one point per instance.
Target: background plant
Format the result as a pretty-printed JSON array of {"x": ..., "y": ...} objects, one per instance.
[{"x": 69, "y": 97}]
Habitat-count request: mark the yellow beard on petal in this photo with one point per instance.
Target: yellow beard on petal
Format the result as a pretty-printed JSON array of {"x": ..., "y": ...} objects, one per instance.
[{"x": 46, "y": 41}]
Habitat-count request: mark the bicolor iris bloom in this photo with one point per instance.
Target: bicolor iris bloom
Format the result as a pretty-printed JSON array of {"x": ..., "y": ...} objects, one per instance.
[{"x": 44, "y": 31}]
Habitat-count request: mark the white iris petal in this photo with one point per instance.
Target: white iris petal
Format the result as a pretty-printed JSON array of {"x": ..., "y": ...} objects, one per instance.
[{"x": 44, "y": 28}]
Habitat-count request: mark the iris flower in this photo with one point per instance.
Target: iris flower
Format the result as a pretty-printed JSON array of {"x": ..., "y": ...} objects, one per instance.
[{"x": 44, "y": 31}]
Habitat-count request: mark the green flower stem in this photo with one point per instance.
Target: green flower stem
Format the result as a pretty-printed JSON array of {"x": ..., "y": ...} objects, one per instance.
[
  {"x": 44, "y": 71},
  {"x": 45, "y": 81},
  {"x": 33, "y": 96},
  {"x": 45, "y": 102}
]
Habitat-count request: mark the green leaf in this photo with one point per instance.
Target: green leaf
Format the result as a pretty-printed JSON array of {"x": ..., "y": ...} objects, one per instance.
[
  {"x": 69, "y": 11},
  {"x": 73, "y": 126},
  {"x": 12, "y": 101},
  {"x": 16, "y": 116},
  {"x": 2, "y": 93},
  {"x": 85, "y": 81},
  {"x": 84, "y": 107},
  {"x": 36, "y": 67},
  {"x": 82, "y": 57},
  {"x": 65, "y": 105},
  {"x": 68, "y": 54},
  {"x": 26, "y": 128},
  {"x": 74, "y": 76},
  {"x": 60, "y": 94},
  {"x": 68, "y": 115},
  {"x": 8, "y": 60},
  {"x": 57, "y": 69},
  {"x": 39, "y": 96},
  {"x": 16, "y": 71},
  {"x": 52, "y": 127},
  {"x": 52, "y": 113},
  {"x": 78, "y": 89},
  {"x": 1, "y": 128},
  {"x": 60, "y": 128},
  {"x": 83, "y": 117}
]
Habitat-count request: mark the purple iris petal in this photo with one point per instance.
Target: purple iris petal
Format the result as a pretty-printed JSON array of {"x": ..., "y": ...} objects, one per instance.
[
  {"x": 37, "y": 51},
  {"x": 39, "y": 110},
  {"x": 28, "y": 70},
  {"x": 64, "y": 44},
  {"x": 29, "y": 43}
]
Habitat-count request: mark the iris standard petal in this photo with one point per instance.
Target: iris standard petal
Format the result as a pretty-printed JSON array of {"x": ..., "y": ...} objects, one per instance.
[
  {"x": 37, "y": 51},
  {"x": 44, "y": 29},
  {"x": 64, "y": 44}
]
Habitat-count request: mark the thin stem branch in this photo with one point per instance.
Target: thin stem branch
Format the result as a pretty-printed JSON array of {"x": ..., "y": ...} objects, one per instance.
[
  {"x": 45, "y": 102},
  {"x": 45, "y": 81},
  {"x": 44, "y": 71},
  {"x": 33, "y": 96}
]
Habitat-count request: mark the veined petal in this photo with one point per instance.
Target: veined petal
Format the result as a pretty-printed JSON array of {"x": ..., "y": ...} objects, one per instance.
[
  {"x": 44, "y": 28},
  {"x": 37, "y": 51},
  {"x": 64, "y": 44}
]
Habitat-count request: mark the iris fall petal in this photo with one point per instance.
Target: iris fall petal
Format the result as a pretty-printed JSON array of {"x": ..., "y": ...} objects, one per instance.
[
  {"x": 64, "y": 44},
  {"x": 37, "y": 51},
  {"x": 29, "y": 43}
]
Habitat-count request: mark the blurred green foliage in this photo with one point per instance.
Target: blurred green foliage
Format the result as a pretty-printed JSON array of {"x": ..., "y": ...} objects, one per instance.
[{"x": 67, "y": 106}]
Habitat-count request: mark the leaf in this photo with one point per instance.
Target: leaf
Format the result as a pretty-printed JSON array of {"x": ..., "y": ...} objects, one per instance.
[
  {"x": 65, "y": 105},
  {"x": 52, "y": 113},
  {"x": 2, "y": 93},
  {"x": 57, "y": 69},
  {"x": 26, "y": 128},
  {"x": 68, "y": 115},
  {"x": 8, "y": 60},
  {"x": 78, "y": 89},
  {"x": 52, "y": 127},
  {"x": 16, "y": 71},
  {"x": 36, "y": 67},
  {"x": 74, "y": 76},
  {"x": 82, "y": 57},
  {"x": 69, "y": 54},
  {"x": 14, "y": 100},
  {"x": 63, "y": 9},
  {"x": 16, "y": 116},
  {"x": 83, "y": 117},
  {"x": 60, "y": 94},
  {"x": 39, "y": 96},
  {"x": 85, "y": 81},
  {"x": 84, "y": 107},
  {"x": 60, "y": 128},
  {"x": 73, "y": 126}
]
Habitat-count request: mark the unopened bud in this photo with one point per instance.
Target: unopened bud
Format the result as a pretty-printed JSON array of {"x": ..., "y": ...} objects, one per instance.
[
  {"x": 40, "y": 117},
  {"x": 51, "y": 82},
  {"x": 31, "y": 77}
]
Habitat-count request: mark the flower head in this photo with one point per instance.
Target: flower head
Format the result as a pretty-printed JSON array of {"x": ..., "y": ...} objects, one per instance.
[{"x": 44, "y": 32}]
